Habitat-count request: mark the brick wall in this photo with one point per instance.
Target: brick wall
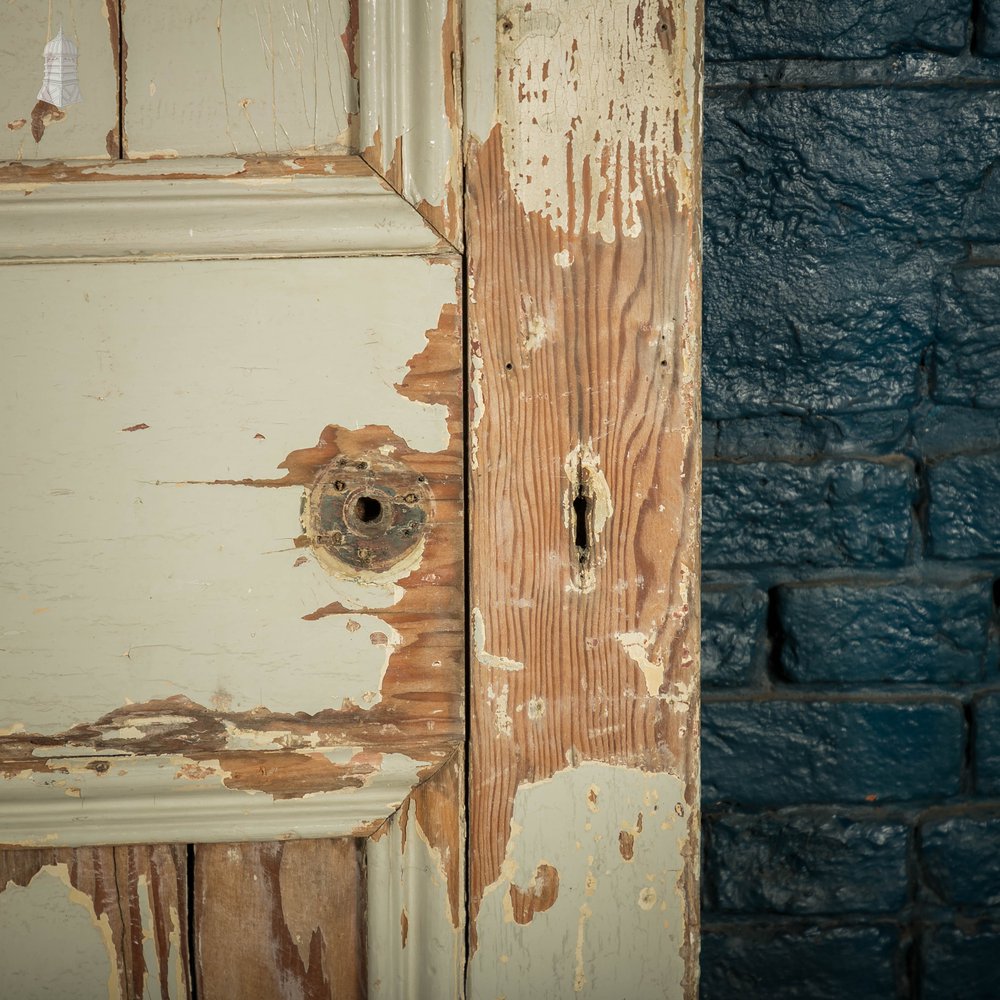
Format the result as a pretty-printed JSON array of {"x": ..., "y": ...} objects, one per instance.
[{"x": 851, "y": 744}]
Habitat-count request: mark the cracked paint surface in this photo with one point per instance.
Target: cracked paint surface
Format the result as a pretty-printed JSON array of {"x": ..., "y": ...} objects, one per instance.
[{"x": 566, "y": 831}]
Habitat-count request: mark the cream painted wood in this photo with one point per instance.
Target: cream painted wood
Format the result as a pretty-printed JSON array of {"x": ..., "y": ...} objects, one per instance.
[
  {"x": 88, "y": 129},
  {"x": 233, "y": 216},
  {"x": 239, "y": 77}
]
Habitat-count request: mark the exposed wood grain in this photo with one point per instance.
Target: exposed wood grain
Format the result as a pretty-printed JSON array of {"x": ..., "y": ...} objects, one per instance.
[
  {"x": 583, "y": 230},
  {"x": 280, "y": 921},
  {"x": 33, "y": 129},
  {"x": 246, "y": 77},
  {"x": 135, "y": 933}
]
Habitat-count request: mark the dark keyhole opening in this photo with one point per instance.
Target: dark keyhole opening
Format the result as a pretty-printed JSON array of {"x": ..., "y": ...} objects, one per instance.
[
  {"x": 581, "y": 508},
  {"x": 368, "y": 509}
]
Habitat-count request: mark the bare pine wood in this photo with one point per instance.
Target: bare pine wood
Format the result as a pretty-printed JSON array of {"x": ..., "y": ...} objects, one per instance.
[
  {"x": 133, "y": 931},
  {"x": 280, "y": 921},
  {"x": 583, "y": 254}
]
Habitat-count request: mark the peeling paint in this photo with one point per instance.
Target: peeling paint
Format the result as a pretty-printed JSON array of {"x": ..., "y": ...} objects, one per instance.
[
  {"x": 489, "y": 660},
  {"x": 637, "y": 647},
  {"x": 577, "y": 137},
  {"x": 53, "y": 944},
  {"x": 577, "y": 816}
]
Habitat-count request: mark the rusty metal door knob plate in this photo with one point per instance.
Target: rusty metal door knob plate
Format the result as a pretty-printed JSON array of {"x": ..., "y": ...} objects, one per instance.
[{"x": 366, "y": 514}]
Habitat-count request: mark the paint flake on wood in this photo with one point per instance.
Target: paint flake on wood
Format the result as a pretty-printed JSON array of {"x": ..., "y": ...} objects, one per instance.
[
  {"x": 238, "y": 78},
  {"x": 33, "y": 127},
  {"x": 583, "y": 236},
  {"x": 165, "y": 438},
  {"x": 94, "y": 922},
  {"x": 280, "y": 921}
]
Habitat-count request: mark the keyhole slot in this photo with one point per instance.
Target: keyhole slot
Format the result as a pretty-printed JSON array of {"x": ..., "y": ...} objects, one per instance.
[
  {"x": 581, "y": 520},
  {"x": 367, "y": 509}
]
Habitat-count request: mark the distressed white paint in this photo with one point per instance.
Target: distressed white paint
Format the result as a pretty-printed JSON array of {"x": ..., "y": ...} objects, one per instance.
[
  {"x": 410, "y": 879},
  {"x": 251, "y": 76},
  {"x": 637, "y": 646},
  {"x": 125, "y": 576},
  {"x": 486, "y": 659},
  {"x": 171, "y": 798},
  {"x": 83, "y": 132},
  {"x": 588, "y": 95},
  {"x": 402, "y": 73},
  {"x": 238, "y": 217},
  {"x": 616, "y": 927},
  {"x": 52, "y": 944}
]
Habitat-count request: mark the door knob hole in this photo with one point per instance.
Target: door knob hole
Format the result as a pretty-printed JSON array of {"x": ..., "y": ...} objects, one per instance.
[{"x": 367, "y": 509}]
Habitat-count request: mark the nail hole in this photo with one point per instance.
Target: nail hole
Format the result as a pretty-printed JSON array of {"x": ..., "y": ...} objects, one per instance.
[
  {"x": 509, "y": 366},
  {"x": 368, "y": 509}
]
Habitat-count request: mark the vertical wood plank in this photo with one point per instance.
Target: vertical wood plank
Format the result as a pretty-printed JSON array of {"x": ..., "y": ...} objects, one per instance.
[
  {"x": 33, "y": 128},
  {"x": 583, "y": 236},
  {"x": 280, "y": 921},
  {"x": 238, "y": 78},
  {"x": 94, "y": 921}
]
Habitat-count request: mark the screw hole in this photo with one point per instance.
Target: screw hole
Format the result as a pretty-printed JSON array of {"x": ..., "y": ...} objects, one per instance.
[
  {"x": 509, "y": 366},
  {"x": 339, "y": 485},
  {"x": 368, "y": 509}
]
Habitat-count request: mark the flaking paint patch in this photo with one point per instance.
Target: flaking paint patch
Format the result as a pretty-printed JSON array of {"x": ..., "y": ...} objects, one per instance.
[
  {"x": 491, "y": 661},
  {"x": 478, "y": 407},
  {"x": 584, "y": 118},
  {"x": 637, "y": 647},
  {"x": 577, "y": 816},
  {"x": 52, "y": 943}
]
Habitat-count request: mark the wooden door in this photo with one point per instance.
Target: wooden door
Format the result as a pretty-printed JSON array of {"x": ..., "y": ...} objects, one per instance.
[{"x": 270, "y": 308}]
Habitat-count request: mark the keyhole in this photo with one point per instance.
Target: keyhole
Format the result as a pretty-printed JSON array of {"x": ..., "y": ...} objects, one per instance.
[
  {"x": 367, "y": 509},
  {"x": 581, "y": 509}
]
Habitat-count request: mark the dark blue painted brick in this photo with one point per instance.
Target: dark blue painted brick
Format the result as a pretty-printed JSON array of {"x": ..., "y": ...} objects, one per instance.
[
  {"x": 819, "y": 963},
  {"x": 827, "y": 239},
  {"x": 964, "y": 520},
  {"x": 790, "y": 437},
  {"x": 960, "y": 964},
  {"x": 988, "y": 41},
  {"x": 950, "y": 430},
  {"x": 986, "y": 725},
  {"x": 802, "y": 863},
  {"x": 785, "y": 752},
  {"x": 909, "y": 632},
  {"x": 732, "y": 634},
  {"x": 967, "y": 354},
  {"x": 960, "y": 858},
  {"x": 837, "y": 29},
  {"x": 847, "y": 513}
]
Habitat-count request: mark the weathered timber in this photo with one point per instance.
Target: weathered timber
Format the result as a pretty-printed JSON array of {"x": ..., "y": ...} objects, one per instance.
[
  {"x": 583, "y": 232},
  {"x": 280, "y": 921}
]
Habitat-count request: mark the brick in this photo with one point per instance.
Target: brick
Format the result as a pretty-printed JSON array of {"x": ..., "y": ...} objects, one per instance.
[
  {"x": 967, "y": 352},
  {"x": 959, "y": 858},
  {"x": 988, "y": 29},
  {"x": 804, "y": 864},
  {"x": 906, "y": 632},
  {"x": 792, "y": 437},
  {"x": 960, "y": 964},
  {"x": 940, "y": 431},
  {"x": 830, "y": 235},
  {"x": 732, "y": 635},
  {"x": 986, "y": 726},
  {"x": 964, "y": 507},
  {"x": 831, "y": 29},
  {"x": 849, "y": 513},
  {"x": 783, "y": 752},
  {"x": 819, "y": 963}
]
